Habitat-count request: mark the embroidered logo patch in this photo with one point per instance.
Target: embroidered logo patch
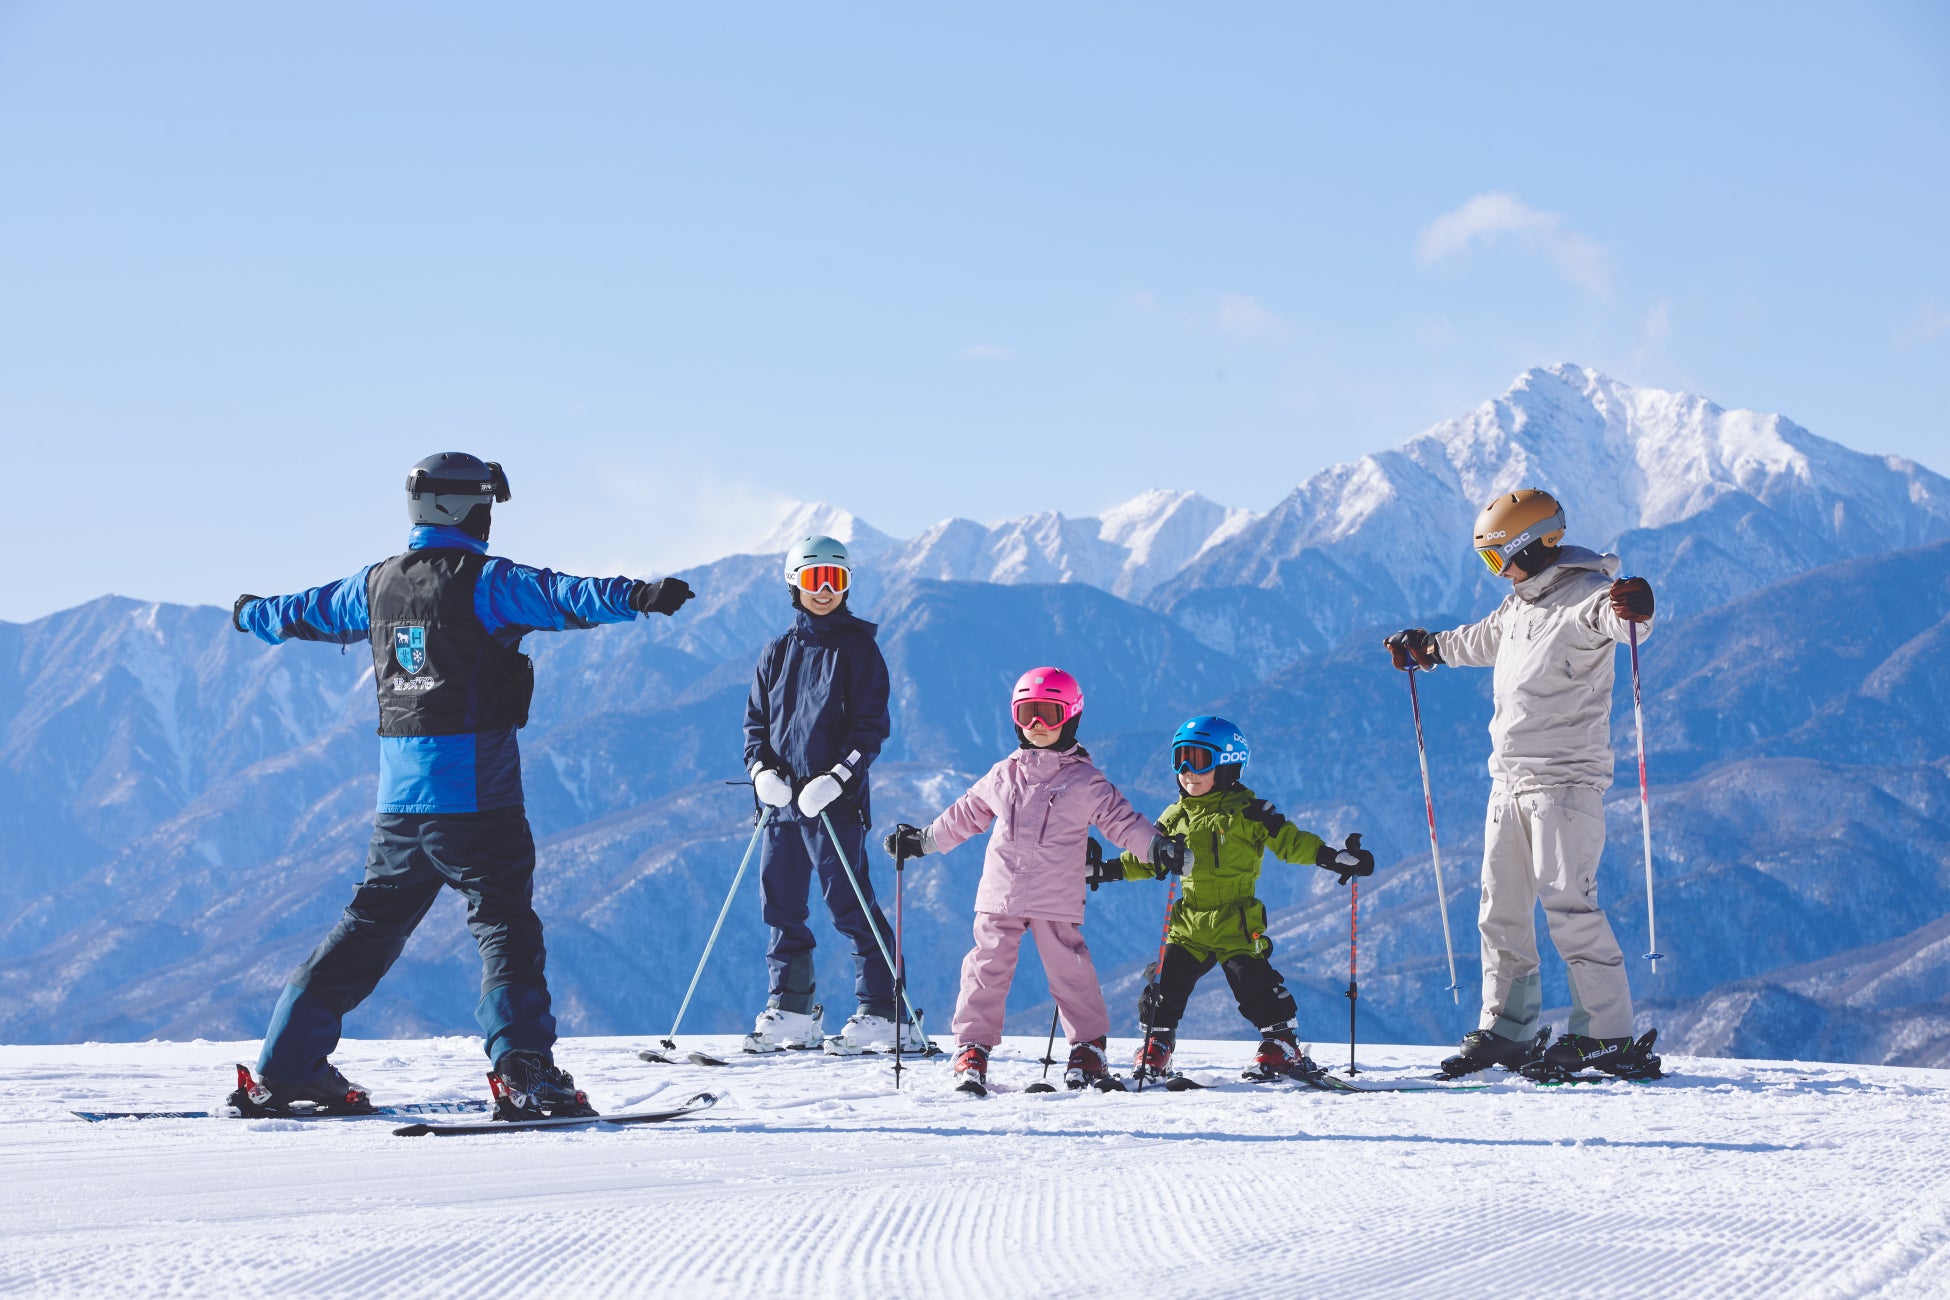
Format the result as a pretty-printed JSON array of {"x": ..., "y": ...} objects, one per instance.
[{"x": 410, "y": 647}]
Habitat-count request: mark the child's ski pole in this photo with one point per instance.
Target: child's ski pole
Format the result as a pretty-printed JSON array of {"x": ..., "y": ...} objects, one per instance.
[
  {"x": 1353, "y": 988},
  {"x": 1149, "y": 999},
  {"x": 1645, "y": 807},
  {"x": 1435, "y": 850},
  {"x": 670, "y": 1039},
  {"x": 900, "y": 992},
  {"x": 900, "y": 957},
  {"x": 1049, "y": 1057}
]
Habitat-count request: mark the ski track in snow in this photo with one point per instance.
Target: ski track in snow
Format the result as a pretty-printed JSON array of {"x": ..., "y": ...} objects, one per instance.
[{"x": 812, "y": 1177}]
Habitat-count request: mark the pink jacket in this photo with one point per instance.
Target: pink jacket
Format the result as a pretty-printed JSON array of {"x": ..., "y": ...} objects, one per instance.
[{"x": 1043, "y": 804}]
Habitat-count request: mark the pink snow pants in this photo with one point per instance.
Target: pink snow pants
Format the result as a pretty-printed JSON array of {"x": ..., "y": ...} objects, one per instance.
[{"x": 991, "y": 965}]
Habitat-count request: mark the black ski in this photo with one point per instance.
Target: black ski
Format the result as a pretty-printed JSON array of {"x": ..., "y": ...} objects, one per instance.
[
  {"x": 1636, "y": 1064},
  {"x": 472, "y": 1106},
  {"x": 1176, "y": 1082},
  {"x": 1326, "y": 1082},
  {"x": 975, "y": 1088},
  {"x": 703, "y": 1101}
]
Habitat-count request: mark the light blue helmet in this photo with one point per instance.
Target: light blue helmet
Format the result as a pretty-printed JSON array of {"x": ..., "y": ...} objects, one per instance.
[{"x": 1219, "y": 738}]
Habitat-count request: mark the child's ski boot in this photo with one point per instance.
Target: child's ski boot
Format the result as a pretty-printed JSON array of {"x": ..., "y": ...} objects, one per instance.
[
  {"x": 527, "y": 1085},
  {"x": 972, "y": 1069},
  {"x": 1280, "y": 1057},
  {"x": 1153, "y": 1060},
  {"x": 327, "y": 1093},
  {"x": 1089, "y": 1067},
  {"x": 786, "y": 1031}
]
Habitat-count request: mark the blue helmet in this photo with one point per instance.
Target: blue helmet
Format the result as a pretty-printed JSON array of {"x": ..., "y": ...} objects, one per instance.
[{"x": 1224, "y": 743}]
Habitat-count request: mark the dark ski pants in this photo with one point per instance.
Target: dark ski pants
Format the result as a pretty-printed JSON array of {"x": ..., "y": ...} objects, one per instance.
[
  {"x": 1260, "y": 990},
  {"x": 490, "y": 858},
  {"x": 791, "y": 852}
]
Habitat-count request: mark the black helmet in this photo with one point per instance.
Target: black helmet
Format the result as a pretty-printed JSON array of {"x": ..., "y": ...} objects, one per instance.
[{"x": 455, "y": 489}]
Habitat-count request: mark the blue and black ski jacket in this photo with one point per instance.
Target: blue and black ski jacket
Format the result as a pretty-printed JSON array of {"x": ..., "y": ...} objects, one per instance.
[
  {"x": 820, "y": 698},
  {"x": 472, "y": 770}
]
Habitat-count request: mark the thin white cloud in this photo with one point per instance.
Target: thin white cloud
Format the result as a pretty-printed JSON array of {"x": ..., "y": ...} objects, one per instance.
[
  {"x": 1142, "y": 301},
  {"x": 986, "y": 352},
  {"x": 1244, "y": 316},
  {"x": 1930, "y": 324},
  {"x": 1495, "y": 216}
]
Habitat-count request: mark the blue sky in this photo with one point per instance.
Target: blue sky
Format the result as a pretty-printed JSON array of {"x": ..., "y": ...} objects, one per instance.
[{"x": 677, "y": 268}]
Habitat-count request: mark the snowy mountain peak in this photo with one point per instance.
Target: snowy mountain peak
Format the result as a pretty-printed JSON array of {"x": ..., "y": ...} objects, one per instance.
[{"x": 816, "y": 518}]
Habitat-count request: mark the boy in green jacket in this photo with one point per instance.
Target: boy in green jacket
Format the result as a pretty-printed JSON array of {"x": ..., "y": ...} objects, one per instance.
[{"x": 1217, "y": 921}]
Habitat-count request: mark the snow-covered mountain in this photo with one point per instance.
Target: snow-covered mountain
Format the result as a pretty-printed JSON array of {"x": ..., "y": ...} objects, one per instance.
[{"x": 1710, "y": 503}]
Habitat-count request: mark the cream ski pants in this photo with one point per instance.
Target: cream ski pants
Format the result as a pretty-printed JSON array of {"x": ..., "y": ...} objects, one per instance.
[{"x": 1544, "y": 846}]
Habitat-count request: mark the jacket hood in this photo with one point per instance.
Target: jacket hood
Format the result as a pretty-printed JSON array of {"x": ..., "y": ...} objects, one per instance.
[
  {"x": 824, "y": 629},
  {"x": 1569, "y": 560}
]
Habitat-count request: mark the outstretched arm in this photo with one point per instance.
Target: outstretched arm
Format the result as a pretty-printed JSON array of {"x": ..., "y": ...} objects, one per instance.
[
  {"x": 518, "y": 597},
  {"x": 335, "y": 612},
  {"x": 1473, "y": 645}
]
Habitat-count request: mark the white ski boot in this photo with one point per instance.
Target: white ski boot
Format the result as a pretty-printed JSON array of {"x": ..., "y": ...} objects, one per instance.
[
  {"x": 865, "y": 1033},
  {"x": 786, "y": 1031}
]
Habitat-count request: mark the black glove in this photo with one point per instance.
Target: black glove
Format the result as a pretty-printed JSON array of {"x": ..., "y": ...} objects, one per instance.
[
  {"x": 1413, "y": 647},
  {"x": 237, "y": 612},
  {"x": 1096, "y": 871},
  {"x": 1631, "y": 600},
  {"x": 665, "y": 596},
  {"x": 1168, "y": 854},
  {"x": 1263, "y": 812},
  {"x": 906, "y": 841},
  {"x": 1347, "y": 862}
]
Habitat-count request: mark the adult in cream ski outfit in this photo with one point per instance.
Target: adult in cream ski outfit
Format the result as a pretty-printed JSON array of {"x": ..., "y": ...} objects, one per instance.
[{"x": 1552, "y": 642}]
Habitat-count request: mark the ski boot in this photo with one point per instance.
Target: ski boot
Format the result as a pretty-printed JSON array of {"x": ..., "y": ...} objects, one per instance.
[
  {"x": 527, "y": 1085},
  {"x": 1624, "y": 1058},
  {"x": 1089, "y": 1067},
  {"x": 327, "y": 1093},
  {"x": 867, "y": 1033},
  {"x": 781, "y": 1031},
  {"x": 1153, "y": 1060},
  {"x": 1482, "y": 1048},
  {"x": 1280, "y": 1057},
  {"x": 972, "y": 1069}
]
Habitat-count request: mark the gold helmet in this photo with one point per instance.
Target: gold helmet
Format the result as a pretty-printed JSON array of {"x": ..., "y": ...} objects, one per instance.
[{"x": 1514, "y": 520}]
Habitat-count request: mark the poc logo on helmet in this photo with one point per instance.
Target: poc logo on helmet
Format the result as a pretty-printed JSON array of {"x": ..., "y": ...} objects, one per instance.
[{"x": 410, "y": 647}]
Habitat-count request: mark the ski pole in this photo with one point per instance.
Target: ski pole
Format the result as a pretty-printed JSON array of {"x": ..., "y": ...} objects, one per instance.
[
  {"x": 1148, "y": 1001},
  {"x": 1435, "y": 850},
  {"x": 670, "y": 1039},
  {"x": 1049, "y": 1055},
  {"x": 1353, "y": 988},
  {"x": 1645, "y": 806},
  {"x": 900, "y": 992},
  {"x": 900, "y": 957}
]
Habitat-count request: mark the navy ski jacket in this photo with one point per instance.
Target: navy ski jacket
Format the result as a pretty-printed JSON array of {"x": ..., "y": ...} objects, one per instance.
[
  {"x": 820, "y": 698},
  {"x": 475, "y": 771}
]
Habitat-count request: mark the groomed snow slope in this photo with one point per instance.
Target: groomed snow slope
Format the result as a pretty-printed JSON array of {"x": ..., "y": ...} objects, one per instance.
[{"x": 812, "y": 1178}]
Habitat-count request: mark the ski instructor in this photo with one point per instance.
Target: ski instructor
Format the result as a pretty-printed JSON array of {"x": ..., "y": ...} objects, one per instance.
[
  {"x": 445, "y": 623},
  {"x": 1552, "y": 642}
]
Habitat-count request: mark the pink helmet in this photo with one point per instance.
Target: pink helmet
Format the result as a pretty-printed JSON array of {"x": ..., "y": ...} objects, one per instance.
[{"x": 1046, "y": 684}]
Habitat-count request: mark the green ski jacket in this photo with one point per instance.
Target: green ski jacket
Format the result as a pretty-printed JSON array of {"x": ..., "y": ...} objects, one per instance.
[{"x": 1216, "y": 914}]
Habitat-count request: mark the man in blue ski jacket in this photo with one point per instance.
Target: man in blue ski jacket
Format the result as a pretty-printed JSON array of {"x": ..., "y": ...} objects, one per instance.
[
  {"x": 814, "y": 723},
  {"x": 445, "y": 623}
]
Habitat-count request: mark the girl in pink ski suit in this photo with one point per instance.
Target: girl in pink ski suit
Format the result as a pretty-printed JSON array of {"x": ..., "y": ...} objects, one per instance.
[{"x": 1041, "y": 801}]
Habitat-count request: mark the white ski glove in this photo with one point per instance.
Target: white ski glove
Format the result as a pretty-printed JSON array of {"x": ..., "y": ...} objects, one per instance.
[
  {"x": 823, "y": 789},
  {"x": 772, "y": 788}
]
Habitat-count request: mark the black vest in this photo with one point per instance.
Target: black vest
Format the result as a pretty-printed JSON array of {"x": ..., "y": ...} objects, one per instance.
[{"x": 438, "y": 670}]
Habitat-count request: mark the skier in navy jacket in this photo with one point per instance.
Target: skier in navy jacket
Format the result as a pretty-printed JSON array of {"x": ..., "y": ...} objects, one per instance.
[
  {"x": 814, "y": 723},
  {"x": 445, "y": 623}
]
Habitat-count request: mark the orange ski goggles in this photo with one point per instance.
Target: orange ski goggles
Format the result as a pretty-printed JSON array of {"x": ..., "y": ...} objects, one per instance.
[
  {"x": 816, "y": 578},
  {"x": 1047, "y": 712}
]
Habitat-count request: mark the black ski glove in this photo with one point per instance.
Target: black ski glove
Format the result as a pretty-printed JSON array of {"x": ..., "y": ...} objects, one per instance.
[
  {"x": 1168, "y": 854},
  {"x": 665, "y": 596},
  {"x": 1631, "y": 600},
  {"x": 237, "y": 612},
  {"x": 1347, "y": 862},
  {"x": 1413, "y": 647},
  {"x": 906, "y": 841},
  {"x": 1096, "y": 871},
  {"x": 1263, "y": 812}
]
